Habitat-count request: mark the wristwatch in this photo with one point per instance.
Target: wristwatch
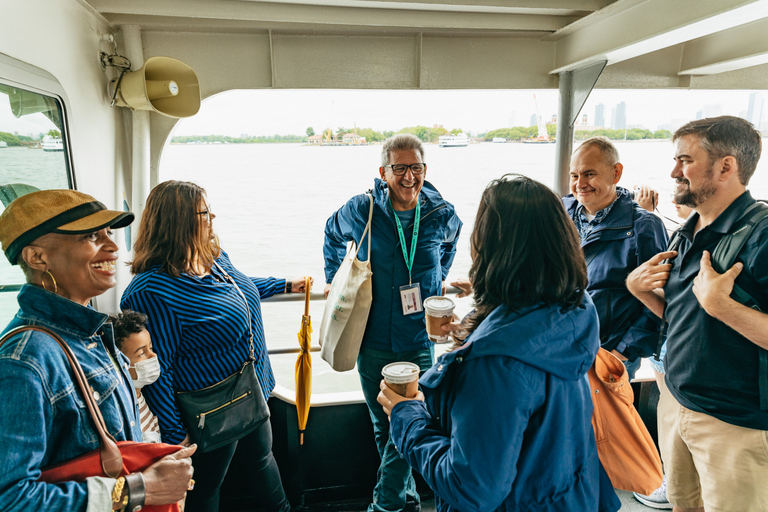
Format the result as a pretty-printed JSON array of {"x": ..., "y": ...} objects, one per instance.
[{"x": 288, "y": 286}]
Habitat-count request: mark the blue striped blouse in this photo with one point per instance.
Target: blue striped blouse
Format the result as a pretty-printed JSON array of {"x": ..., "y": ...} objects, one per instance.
[{"x": 199, "y": 329}]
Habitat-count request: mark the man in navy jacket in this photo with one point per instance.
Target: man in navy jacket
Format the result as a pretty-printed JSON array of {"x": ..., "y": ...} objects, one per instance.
[
  {"x": 617, "y": 236},
  {"x": 407, "y": 211}
]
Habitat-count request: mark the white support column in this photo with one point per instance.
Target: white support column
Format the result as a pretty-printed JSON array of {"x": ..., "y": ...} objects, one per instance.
[
  {"x": 575, "y": 87},
  {"x": 140, "y": 154}
]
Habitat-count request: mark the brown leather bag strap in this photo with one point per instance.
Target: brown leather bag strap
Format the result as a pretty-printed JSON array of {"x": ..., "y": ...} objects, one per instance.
[{"x": 111, "y": 460}]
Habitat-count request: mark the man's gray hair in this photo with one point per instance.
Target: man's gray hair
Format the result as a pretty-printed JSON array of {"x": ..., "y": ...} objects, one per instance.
[
  {"x": 606, "y": 147},
  {"x": 401, "y": 142},
  {"x": 727, "y": 136}
]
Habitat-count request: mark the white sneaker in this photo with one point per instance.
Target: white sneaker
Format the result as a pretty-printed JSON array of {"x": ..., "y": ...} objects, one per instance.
[{"x": 657, "y": 499}]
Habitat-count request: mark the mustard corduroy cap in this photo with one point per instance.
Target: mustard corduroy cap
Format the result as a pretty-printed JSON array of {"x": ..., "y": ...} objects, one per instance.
[{"x": 68, "y": 212}]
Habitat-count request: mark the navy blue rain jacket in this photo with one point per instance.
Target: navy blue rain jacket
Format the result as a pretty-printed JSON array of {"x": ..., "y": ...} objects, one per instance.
[
  {"x": 628, "y": 237},
  {"x": 388, "y": 329},
  {"x": 507, "y": 422}
]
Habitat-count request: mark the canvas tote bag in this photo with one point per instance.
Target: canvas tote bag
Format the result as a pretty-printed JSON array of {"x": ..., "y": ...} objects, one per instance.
[
  {"x": 347, "y": 307},
  {"x": 624, "y": 445}
]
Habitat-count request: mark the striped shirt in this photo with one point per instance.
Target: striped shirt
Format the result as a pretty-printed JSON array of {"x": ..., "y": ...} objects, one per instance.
[
  {"x": 199, "y": 329},
  {"x": 150, "y": 430}
]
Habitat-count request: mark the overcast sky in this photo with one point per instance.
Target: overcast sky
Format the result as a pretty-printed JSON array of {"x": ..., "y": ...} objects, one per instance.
[{"x": 267, "y": 112}]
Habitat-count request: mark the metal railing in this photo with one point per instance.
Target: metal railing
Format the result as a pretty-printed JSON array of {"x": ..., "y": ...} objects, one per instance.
[{"x": 298, "y": 297}]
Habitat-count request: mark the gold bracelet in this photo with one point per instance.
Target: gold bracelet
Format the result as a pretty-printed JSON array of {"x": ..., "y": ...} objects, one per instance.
[
  {"x": 117, "y": 492},
  {"x": 118, "y": 498}
]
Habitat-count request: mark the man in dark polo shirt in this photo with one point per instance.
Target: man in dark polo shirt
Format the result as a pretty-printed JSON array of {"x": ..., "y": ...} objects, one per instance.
[{"x": 713, "y": 432}]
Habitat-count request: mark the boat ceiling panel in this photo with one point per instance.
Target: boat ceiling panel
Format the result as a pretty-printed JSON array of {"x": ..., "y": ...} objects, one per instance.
[{"x": 436, "y": 44}]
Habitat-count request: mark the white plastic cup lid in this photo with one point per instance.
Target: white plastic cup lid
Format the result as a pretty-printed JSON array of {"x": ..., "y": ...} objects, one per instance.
[
  {"x": 400, "y": 372},
  {"x": 438, "y": 305}
]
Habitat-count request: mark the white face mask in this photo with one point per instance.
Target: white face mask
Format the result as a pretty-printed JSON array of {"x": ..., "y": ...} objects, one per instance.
[{"x": 147, "y": 372}]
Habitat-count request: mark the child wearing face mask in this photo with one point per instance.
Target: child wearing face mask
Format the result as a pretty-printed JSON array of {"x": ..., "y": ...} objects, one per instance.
[{"x": 133, "y": 339}]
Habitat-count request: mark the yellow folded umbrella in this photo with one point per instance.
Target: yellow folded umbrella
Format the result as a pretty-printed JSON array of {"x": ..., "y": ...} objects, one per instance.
[{"x": 304, "y": 366}]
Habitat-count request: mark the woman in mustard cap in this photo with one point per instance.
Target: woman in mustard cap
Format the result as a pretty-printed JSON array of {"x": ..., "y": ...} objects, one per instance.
[
  {"x": 204, "y": 319},
  {"x": 62, "y": 239}
]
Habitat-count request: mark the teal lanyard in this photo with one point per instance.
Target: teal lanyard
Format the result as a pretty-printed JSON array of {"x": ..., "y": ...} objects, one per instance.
[{"x": 416, "y": 221}]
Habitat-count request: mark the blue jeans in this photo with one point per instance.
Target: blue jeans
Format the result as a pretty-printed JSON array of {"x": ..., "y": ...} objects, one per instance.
[
  {"x": 632, "y": 367},
  {"x": 395, "y": 481},
  {"x": 659, "y": 365}
]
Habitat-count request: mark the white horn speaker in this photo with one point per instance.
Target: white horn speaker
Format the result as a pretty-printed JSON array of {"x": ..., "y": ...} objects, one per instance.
[{"x": 164, "y": 85}]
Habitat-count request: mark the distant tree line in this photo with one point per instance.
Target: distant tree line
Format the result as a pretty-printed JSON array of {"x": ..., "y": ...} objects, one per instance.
[
  {"x": 371, "y": 135},
  {"x": 183, "y": 139},
  {"x": 422, "y": 132},
  {"x": 14, "y": 139},
  {"x": 521, "y": 133},
  {"x": 630, "y": 134}
]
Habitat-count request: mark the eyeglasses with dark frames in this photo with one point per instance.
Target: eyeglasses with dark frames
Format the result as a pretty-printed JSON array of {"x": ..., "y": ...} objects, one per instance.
[
  {"x": 399, "y": 169},
  {"x": 207, "y": 213}
]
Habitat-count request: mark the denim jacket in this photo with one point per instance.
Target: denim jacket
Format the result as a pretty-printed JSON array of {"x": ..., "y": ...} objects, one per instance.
[{"x": 43, "y": 418}]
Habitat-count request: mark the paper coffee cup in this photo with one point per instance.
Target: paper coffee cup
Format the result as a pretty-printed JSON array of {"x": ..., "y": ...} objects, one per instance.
[
  {"x": 438, "y": 312},
  {"x": 402, "y": 378}
]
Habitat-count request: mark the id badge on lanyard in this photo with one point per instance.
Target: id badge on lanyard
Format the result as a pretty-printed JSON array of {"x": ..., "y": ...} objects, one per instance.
[
  {"x": 410, "y": 294},
  {"x": 410, "y": 298}
]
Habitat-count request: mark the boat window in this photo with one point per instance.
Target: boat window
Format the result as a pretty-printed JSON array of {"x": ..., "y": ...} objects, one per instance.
[{"x": 32, "y": 157}]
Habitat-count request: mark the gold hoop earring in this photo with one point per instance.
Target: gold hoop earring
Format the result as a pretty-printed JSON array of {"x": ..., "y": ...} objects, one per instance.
[{"x": 55, "y": 286}]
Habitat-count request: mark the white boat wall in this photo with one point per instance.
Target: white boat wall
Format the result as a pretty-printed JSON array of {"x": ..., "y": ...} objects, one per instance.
[{"x": 53, "y": 46}]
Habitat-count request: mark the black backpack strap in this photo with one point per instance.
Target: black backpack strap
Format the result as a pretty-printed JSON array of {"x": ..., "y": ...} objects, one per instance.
[
  {"x": 731, "y": 244},
  {"x": 674, "y": 243},
  {"x": 723, "y": 258}
]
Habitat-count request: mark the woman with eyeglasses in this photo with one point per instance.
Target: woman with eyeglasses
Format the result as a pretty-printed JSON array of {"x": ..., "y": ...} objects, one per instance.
[
  {"x": 202, "y": 313},
  {"x": 505, "y": 421}
]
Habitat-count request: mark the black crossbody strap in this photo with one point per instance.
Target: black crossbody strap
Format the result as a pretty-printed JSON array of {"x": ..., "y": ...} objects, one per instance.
[{"x": 231, "y": 280}]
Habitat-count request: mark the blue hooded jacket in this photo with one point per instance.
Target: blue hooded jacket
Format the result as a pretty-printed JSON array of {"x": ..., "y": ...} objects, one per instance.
[
  {"x": 507, "y": 419},
  {"x": 388, "y": 329},
  {"x": 628, "y": 237}
]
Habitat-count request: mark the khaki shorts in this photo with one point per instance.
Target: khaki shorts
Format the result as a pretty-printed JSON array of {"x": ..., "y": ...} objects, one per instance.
[{"x": 710, "y": 463}]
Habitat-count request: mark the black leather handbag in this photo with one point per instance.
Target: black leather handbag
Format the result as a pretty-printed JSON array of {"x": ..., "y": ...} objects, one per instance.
[{"x": 228, "y": 410}]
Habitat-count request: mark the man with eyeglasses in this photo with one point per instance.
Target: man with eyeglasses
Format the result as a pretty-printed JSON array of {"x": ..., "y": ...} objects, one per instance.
[{"x": 413, "y": 243}]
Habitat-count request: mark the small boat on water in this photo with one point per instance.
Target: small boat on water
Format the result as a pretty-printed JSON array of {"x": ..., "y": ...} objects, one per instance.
[
  {"x": 50, "y": 144},
  {"x": 453, "y": 141},
  {"x": 499, "y": 140},
  {"x": 3, "y": 144}
]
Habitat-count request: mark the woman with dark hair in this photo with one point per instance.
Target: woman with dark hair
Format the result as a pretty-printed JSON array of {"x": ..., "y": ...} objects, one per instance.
[
  {"x": 504, "y": 422},
  {"x": 204, "y": 319}
]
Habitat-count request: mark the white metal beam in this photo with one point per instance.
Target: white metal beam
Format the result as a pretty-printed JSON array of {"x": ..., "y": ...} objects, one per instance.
[
  {"x": 313, "y": 16},
  {"x": 737, "y": 48},
  {"x": 631, "y": 28}
]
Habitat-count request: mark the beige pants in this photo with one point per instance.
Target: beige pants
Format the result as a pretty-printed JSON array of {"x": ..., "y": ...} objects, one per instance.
[{"x": 710, "y": 463}]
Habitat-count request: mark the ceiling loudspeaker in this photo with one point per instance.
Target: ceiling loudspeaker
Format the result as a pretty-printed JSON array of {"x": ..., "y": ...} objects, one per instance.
[{"x": 164, "y": 85}]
